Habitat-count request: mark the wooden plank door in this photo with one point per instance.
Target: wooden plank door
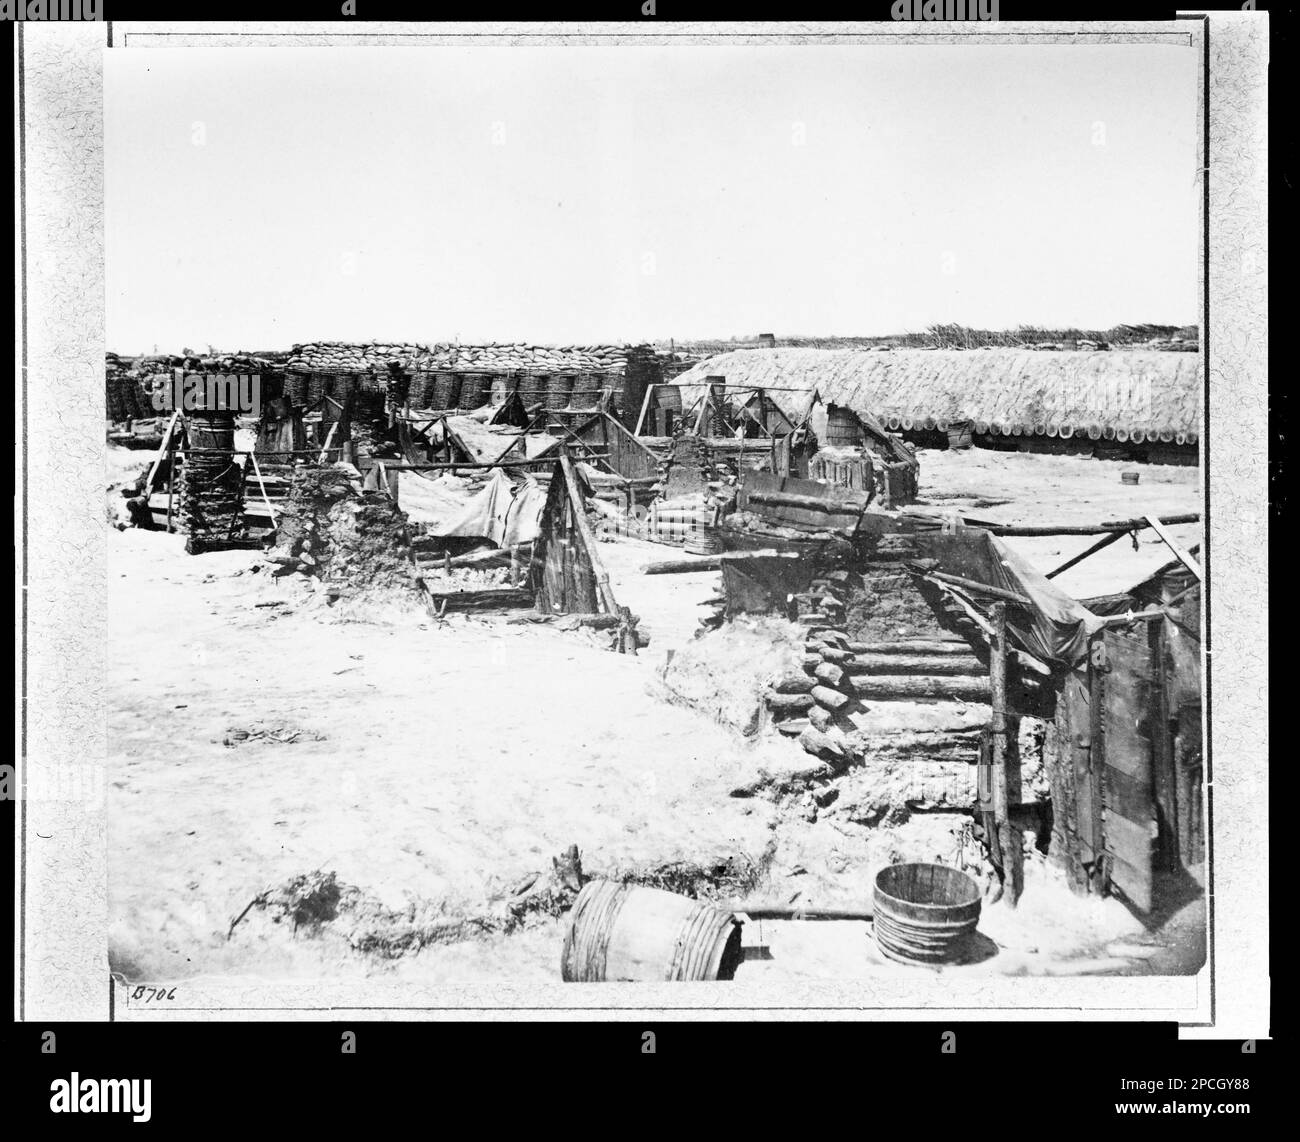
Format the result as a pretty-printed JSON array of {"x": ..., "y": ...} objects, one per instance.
[{"x": 1123, "y": 708}]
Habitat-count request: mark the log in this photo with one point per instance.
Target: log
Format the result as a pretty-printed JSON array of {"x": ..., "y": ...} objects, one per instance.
[
  {"x": 835, "y": 506},
  {"x": 1005, "y": 767},
  {"x": 977, "y": 587},
  {"x": 831, "y": 699},
  {"x": 792, "y": 728},
  {"x": 829, "y": 673},
  {"x": 924, "y": 664},
  {"x": 902, "y": 687},
  {"x": 912, "y": 646},
  {"x": 818, "y": 743},
  {"x": 1120, "y": 525},
  {"x": 820, "y": 717},
  {"x": 793, "y": 684},
  {"x": 831, "y": 654},
  {"x": 788, "y": 702},
  {"x": 711, "y": 563}
]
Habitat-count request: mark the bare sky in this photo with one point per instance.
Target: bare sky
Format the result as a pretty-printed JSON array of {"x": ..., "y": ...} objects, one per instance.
[{"x": 266, "y": 196}]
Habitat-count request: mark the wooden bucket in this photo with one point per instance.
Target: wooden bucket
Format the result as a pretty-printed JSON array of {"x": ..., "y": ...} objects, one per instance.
[
  {"x": 923, "y": 912},
  {"x": 625, "y": 932}
]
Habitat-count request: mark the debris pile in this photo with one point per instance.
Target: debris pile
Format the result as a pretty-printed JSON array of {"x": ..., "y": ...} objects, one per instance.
[{"x": 331, "y": 529}]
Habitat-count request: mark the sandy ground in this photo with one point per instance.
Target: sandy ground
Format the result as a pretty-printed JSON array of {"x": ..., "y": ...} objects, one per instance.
[{"x": 433, "y": 767}]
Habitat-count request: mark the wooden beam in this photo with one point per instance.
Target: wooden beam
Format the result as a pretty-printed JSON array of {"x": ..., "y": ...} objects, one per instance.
[
  {"x": 645, "y": 405},
  {"x": 711, "y": 562},
  {"x": 1120, "y": 525},
  {"x": 1183, "y": 557},
  {"x": 1104, "y": 541},
  {"x": 1006, "y": 783},
  {"x": 977, "y": 586},
  {"x": 164, "y": 447},
  {"x": 262, "y": 485},
  {"x": 577, "y": 503}
]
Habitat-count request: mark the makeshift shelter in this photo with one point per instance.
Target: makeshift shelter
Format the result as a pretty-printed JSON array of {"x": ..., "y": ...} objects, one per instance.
[{"x": 1125, "y": 749}]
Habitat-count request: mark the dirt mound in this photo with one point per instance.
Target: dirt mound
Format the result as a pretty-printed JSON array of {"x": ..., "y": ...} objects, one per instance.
[
  {"x": 726, "y": 674},
  {"x": 356, "y": 542}
]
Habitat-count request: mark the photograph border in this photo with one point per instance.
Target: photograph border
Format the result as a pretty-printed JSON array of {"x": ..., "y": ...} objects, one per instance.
[{"x": 61, "y": 864}]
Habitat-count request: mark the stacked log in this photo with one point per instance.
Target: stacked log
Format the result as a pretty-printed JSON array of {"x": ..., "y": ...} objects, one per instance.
[{"x": 813, "y": 706}]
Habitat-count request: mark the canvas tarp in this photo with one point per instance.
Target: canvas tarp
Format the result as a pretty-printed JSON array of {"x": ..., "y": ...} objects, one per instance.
[
  {"x": 503, "y": 512},
  {"x": 1055, "y": 629}
]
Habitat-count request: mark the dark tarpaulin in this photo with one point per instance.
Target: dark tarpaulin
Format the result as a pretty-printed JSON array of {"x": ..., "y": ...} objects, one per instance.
[
  {"x": 1057, "y": 627},
  {"x": 762, "y": 586}
]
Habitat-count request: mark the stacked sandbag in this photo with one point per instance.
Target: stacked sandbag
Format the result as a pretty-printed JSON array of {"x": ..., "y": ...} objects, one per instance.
[
  {"x": 522, "y": 357},
  {"x": 345, "y": 357}
]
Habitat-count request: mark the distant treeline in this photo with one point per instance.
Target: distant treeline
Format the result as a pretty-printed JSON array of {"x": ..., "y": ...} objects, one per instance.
[{"x": 953, "y": 336}]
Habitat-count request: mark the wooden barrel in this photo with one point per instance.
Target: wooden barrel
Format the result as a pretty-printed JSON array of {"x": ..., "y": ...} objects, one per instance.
[
  {"x": 211, "y": 431},
  {"x": 704, "y": 541},
  {"x": 959, "y": 438},
  {"x": 1065, "y": 431},
  {"x": 1137, "y": 435},
  {"x": 923, "y": 911},
  {"x": 1108, "y": 433},
  {"x": 625, "y": 932},
  {"x": 1094, "y": 432},
  {"x": 843, "y": 429},
  {"x": 1121, "y": 434},
  {"x": 893, "y": 423}
]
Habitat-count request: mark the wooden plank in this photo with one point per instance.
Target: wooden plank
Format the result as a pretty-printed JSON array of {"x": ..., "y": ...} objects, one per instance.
[
  {"x": 1122, "y": 756},
  {"x": 1183, "y": 557}
]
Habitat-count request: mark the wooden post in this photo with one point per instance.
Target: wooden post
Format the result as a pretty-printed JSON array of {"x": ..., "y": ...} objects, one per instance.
[
  {"x": 1006, "y": 764},
  {"x": 171, "y": 482}
]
